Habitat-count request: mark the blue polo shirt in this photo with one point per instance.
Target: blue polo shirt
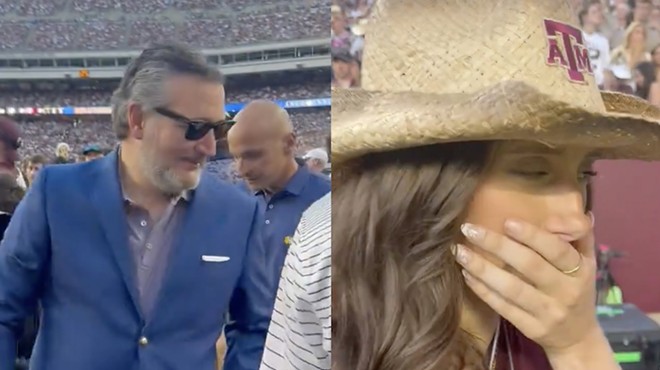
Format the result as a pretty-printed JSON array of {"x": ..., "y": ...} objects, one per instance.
[{"x": 281, "y": 214}]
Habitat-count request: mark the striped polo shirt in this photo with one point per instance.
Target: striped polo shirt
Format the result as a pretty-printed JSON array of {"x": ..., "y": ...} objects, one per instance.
[{"x": 299, "y": 335}]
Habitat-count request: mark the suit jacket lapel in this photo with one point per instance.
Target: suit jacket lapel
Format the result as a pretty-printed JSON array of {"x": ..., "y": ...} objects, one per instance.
[{"x": 107, "y": 200}]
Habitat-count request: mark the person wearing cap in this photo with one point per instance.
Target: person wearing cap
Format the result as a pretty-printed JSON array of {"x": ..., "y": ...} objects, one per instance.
[
  {"x": 91, "y": 152},
  {"x": 135, "y": 257},
  {"x": 461, "y": 233},
  {"x": 316, "y": 160}
]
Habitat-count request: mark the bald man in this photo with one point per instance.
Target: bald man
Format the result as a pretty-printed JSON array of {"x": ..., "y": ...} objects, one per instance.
[{"x": 263, "y": 144}]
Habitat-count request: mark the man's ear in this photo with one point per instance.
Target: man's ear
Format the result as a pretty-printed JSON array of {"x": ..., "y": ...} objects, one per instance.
[
  {"x": 135, "y": 121},
  {"x": 290, "y": 143}
]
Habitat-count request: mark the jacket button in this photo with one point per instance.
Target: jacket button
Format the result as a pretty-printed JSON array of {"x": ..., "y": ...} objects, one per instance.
[{"x": 143, "y": 341}]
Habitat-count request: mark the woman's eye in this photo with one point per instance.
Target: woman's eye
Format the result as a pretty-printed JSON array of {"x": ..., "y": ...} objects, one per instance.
[
  {"x": 588, "y": 175},
  {"x": 530, "y": 174}
]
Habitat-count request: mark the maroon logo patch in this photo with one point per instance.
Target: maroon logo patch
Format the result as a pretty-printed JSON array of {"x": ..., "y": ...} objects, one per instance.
[{"x": 566, "y": 49}]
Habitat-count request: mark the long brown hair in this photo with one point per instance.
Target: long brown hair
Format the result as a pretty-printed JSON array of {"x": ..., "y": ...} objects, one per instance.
[
  {"x": 397, "y": 290},
  {"x": 630, "y": 55}
]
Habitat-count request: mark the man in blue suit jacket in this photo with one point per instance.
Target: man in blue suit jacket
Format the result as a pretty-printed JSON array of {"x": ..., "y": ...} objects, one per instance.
[{"x": 136, "y": 258}]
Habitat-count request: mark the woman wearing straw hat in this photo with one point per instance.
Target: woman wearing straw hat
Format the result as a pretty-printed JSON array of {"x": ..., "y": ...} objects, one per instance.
[{"x": 461, "y": 237}]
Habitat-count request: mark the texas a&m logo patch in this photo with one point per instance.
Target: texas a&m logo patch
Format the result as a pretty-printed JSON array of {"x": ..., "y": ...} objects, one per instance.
[{"x": 566, "y": 49}]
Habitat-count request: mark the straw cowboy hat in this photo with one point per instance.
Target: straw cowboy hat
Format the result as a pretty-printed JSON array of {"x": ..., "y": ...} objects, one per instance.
[{"x": 437, "y": 71}]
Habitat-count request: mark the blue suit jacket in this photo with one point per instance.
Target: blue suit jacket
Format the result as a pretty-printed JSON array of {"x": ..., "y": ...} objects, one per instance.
[{"x": 66, "y": 248}]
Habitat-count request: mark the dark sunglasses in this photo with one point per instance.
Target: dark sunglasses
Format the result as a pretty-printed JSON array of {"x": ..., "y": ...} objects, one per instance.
[{"x": 197, "y": 129}]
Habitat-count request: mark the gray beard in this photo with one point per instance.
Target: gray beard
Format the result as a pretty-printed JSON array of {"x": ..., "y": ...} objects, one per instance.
[{"x": 165, "y": 179}]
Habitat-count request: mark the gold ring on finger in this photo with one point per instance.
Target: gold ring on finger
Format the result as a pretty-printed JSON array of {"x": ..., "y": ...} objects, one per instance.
[{"x": 574, "y": 269}]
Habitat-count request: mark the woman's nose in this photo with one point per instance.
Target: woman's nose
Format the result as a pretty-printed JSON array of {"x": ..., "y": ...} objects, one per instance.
[{"x": 567, "y": 218}]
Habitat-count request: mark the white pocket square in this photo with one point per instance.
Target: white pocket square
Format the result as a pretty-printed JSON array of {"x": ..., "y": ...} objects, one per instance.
[{"x": 208, "y": 258}]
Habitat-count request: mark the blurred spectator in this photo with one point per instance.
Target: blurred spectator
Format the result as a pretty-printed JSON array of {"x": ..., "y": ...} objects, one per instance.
[
  {"x": 10, "y": 195},
  {"x": 345, "y": 70},
  {"x": 32, "y": 167},
  {"x": 592, "y": 19},
  {"x": 341, "y": 36},
  {"x": 62, "y": 153},
  {"x": 10, "y": 143},
  {"x": 618, "y": 22},
  {"x": 654, "y": 22},
  {"x": 617, "y": 79},
  {"x": 642, "y": 15},
  {"x": 316, "y": 159},
  {"x": 348, "y": 29},
  {"x": 633, "y": 50},
  {"x": 646, "y": 86},
  {"x": 655, "y": 59},
  {"x": 91, "y": 152}
]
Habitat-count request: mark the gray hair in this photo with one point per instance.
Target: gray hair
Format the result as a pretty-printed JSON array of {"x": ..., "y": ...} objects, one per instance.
[{"x": 145, "y": 75}]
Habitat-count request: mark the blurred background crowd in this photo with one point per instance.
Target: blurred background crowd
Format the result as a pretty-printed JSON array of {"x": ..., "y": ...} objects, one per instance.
[
  {"x": 41, "y": 134},
  {"x": 623, "y": 38},
  {"x": 120, "y": 24}
]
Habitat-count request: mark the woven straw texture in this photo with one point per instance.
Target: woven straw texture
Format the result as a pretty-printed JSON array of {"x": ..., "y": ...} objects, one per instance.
[{"x": 439, "y": 71}]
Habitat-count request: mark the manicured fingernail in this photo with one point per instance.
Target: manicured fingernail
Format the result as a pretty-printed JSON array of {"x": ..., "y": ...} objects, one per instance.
[
  {"x": 462, "y": 255},
  {"x": 453, "y": 249},
  {"x": 466, "y": 275},
  {"x": 592, "y": 218},
  {"x": 472, "y": 231},
  {"x": 513, "y": 227}
]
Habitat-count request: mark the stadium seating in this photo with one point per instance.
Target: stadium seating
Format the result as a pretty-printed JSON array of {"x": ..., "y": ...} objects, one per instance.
[{"x": 42, "y": 25}]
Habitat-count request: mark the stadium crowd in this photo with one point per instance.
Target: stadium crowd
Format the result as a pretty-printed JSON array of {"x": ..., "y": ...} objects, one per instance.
[
  {"x": 42, "y": 134},
  {"x": 41, "y": 25},
  {"x": 623, "y": 38},
  {"x": 101, "y": 97}
]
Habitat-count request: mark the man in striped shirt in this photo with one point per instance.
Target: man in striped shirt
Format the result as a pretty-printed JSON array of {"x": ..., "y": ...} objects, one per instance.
[{"x": 299, "y": 335}]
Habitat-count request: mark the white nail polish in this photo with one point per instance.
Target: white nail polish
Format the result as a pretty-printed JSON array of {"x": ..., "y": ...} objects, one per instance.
[{"x": 472, "y": 232}]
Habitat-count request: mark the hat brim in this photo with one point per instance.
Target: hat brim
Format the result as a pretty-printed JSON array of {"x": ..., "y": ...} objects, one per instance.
[{"x": 368, "y": 122}]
